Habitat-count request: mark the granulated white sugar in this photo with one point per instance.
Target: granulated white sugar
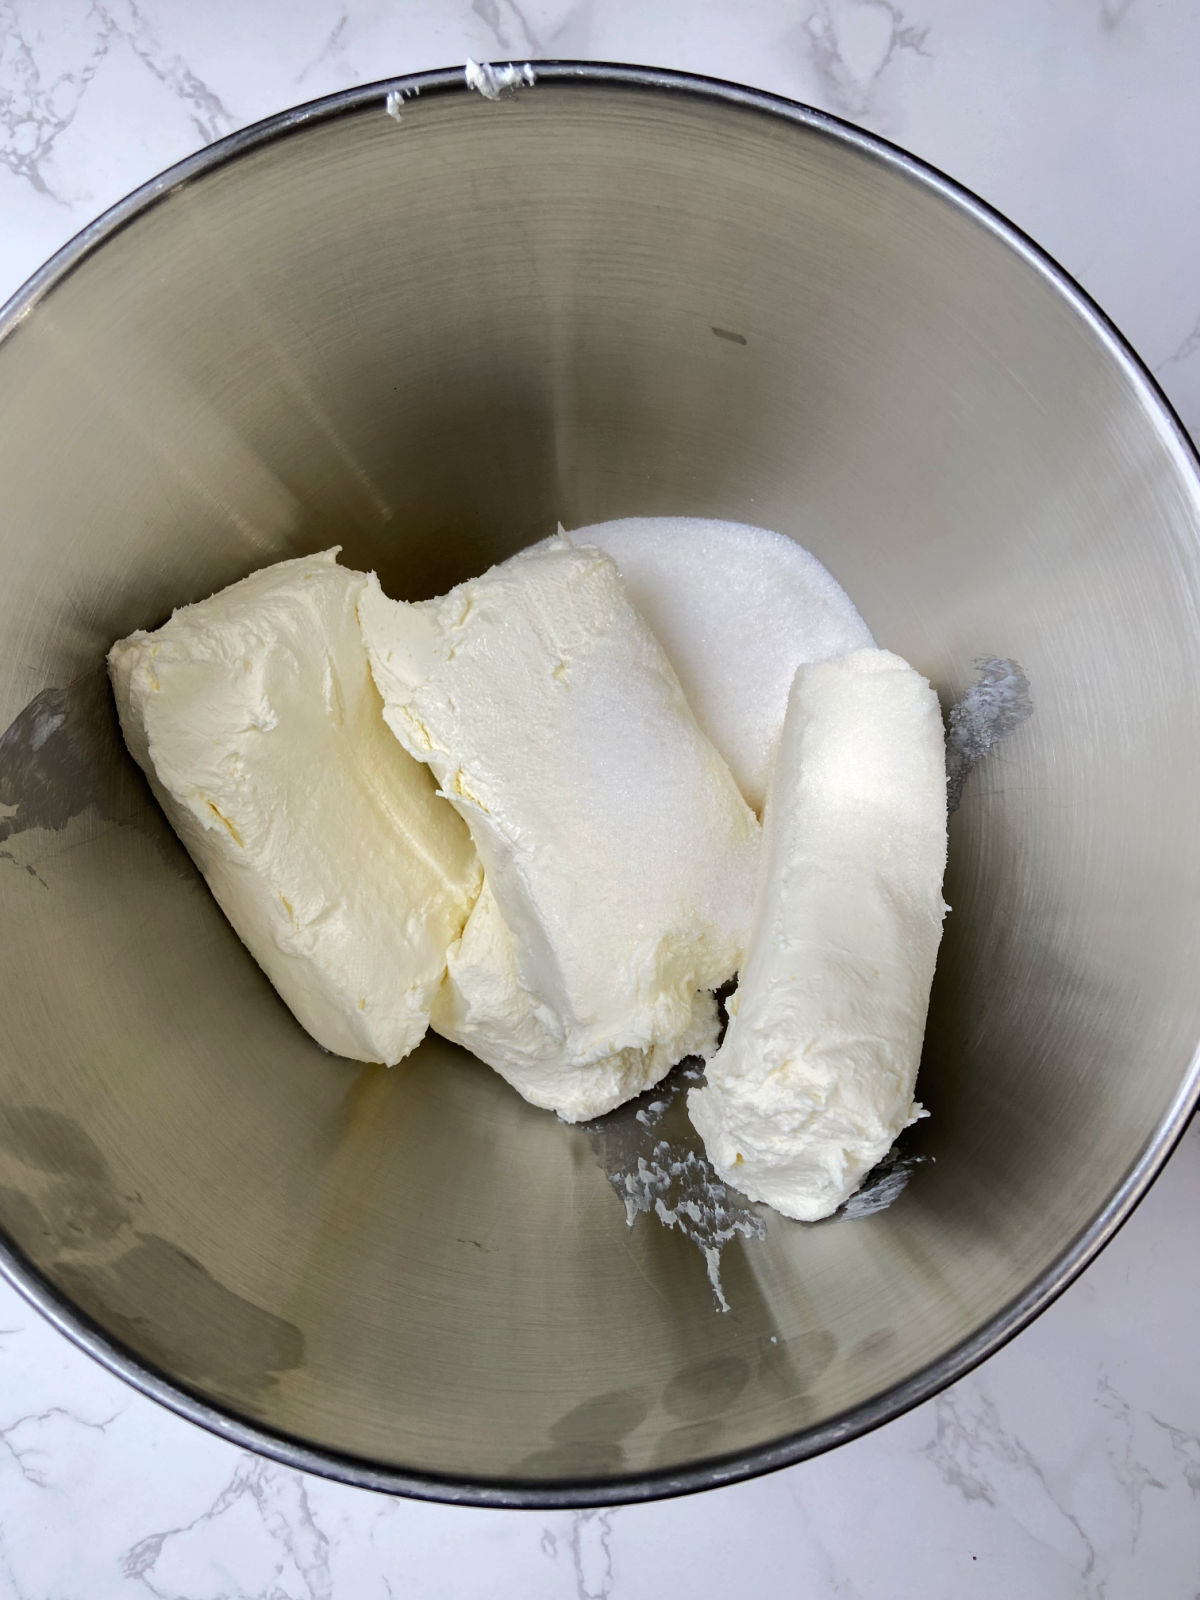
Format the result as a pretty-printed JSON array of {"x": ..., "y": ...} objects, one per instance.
[{"x": 736, "y": 609}]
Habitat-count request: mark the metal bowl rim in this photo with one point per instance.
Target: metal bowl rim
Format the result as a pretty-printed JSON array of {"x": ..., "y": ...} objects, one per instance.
[{"x": 951, "y": 1365}]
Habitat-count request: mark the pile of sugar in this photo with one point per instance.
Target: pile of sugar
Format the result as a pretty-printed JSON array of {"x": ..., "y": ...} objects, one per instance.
[{"x": 736, "y": 609}]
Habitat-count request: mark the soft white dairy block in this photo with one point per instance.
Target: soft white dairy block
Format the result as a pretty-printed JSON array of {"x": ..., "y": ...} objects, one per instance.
[
  {"x": 619, "y": 857},
  {"x": 815, "y": 1076},
  {"x": 736, "y": 609},
  {"x": 255, "y": 717},
  {"x": 552, "y": 1060}
]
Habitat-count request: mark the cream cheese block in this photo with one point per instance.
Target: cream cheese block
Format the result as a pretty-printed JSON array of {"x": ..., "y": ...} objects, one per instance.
[
  {"x": 484, "y": 1006},
  {"x": 255, "y": 717},
  {"x": 815, "y": 1076},
  {"x": 619, "y": 856}
]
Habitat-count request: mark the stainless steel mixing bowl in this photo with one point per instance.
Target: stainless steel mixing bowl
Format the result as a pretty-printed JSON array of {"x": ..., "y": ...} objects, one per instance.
[{"x": 429, "y": 336}]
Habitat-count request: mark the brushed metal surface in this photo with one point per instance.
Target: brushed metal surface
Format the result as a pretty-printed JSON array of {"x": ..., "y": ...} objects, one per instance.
[{"x": 429, "y": 340}]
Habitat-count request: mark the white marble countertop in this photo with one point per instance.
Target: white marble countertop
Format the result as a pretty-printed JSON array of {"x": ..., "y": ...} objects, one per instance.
[{"x": 1069, "y": 1465}]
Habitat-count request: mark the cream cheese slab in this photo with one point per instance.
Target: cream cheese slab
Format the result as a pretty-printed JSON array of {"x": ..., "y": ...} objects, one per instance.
[
  {"x": 619, "y": 856},
  {"x": 255, "y": 717},
  {"x": 815, "y": 1076}
]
